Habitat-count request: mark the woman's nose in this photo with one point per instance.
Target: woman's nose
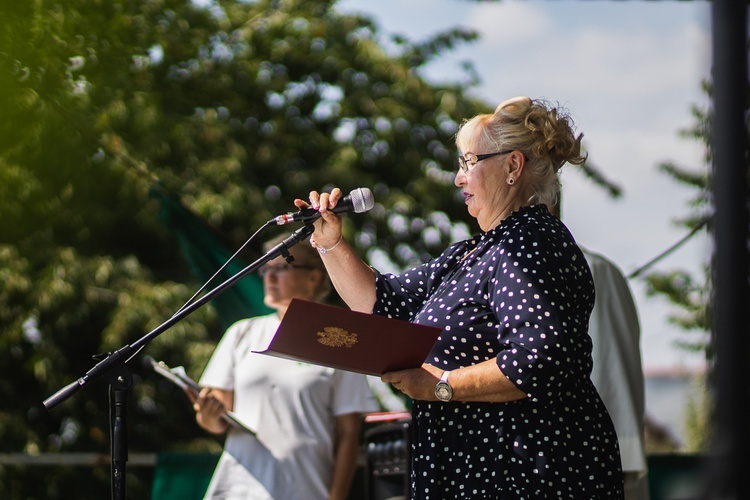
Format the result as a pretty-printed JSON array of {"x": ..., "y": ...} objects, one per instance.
[{"x": 460, "y": 178}]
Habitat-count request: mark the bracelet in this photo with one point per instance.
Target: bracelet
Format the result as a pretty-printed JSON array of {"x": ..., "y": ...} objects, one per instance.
[{"x": 326, "y": 250}]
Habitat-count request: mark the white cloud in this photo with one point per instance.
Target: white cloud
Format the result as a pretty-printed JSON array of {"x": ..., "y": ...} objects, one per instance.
[{"x": 509, "y": 22}]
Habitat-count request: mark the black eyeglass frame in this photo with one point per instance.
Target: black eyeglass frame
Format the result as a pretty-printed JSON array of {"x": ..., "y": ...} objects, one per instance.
[
  {"x": 465, "y": 166},
  {"x": 263, "y": 270}
]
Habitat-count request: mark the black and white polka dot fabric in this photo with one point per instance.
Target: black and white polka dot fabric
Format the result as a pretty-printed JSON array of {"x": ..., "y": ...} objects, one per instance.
[{"x": 521, "y": 294}]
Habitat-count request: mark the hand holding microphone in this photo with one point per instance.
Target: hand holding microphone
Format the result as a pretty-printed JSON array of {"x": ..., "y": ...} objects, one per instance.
[
  {"x": 328, "y": 228},
  {"x": 359, "y": 200}
]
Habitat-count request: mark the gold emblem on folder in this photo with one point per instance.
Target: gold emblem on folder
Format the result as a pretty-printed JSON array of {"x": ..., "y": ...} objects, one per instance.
[{"x": 333, "y": 336}]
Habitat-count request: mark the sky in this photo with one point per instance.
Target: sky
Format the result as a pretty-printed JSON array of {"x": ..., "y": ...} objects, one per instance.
[{"x": 629, "y": 73}]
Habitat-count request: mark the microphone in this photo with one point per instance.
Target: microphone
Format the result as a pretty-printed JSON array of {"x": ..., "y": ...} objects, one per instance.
[{"x": 359, "y": 200}]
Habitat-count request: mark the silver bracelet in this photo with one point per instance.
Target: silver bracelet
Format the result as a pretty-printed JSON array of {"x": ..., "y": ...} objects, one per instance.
[{"x": 326, "y": 250}]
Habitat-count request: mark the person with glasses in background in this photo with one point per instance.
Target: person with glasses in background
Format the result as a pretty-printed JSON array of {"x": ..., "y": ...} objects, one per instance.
[
  {"x": 306, "y": 418},
  {"x": 504, "y": 406}
]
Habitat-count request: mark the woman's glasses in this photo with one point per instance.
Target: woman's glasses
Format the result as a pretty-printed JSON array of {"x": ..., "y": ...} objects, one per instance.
[{"x": 470, "y": 159}]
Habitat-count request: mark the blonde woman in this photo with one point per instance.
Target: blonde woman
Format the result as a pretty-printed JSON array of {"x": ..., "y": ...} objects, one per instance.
[{"x": 504, "y": 406}]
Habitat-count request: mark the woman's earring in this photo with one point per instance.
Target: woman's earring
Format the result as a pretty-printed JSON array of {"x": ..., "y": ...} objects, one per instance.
[{"x": 511, "y": 180}]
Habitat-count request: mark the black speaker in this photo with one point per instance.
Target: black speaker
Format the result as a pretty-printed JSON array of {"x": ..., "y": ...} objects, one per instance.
[{"x": 388, "y": 461}]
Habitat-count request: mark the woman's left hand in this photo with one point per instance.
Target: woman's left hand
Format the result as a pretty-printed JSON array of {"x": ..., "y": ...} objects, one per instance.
[{"x": 417, "y": 383}]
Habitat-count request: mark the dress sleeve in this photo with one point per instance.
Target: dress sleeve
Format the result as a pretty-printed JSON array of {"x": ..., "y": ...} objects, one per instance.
[
  {"x": 400, "y": 296},
  {"x": 539, "y": 295}
]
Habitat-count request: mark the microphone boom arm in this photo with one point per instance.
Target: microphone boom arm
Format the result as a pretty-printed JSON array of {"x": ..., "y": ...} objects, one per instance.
[{"x": 125, "y": 353}]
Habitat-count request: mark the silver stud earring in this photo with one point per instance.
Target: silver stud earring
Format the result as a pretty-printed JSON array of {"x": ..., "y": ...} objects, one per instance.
[{"x": 511, "y": 180}]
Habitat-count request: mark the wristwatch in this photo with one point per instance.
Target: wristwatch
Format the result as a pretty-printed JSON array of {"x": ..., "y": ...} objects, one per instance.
[{"x": 443, "y": 390}]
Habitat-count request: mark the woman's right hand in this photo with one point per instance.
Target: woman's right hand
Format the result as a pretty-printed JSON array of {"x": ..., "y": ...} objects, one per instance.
[
  {"x": 353, "y": 279},
  {"x": 328, "y": 226},
  {"x": 209, "y": 410}
]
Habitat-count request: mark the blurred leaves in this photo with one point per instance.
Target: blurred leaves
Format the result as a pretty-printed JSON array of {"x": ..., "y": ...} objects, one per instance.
[
  {"x": 236, "y": 108},
  {"x": 691, "y": 295}
]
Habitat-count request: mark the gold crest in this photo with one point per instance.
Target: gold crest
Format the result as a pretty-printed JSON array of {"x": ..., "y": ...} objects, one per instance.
[{"x": 333, "y": 336}]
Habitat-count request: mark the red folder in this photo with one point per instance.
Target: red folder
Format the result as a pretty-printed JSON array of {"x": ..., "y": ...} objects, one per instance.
[{"x": 347, "y": 340}]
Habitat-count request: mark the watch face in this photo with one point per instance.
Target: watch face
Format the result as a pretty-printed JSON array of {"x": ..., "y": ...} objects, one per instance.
[{"x": 443, "y": 392}]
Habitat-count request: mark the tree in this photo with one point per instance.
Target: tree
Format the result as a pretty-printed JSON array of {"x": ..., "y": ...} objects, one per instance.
[
  {"x": 691, "y": 295},
  {"x": 235, "y": 108}
]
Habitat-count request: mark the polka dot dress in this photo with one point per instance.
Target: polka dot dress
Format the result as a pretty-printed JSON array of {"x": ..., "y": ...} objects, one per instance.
[{"x": 520, "y": 294}]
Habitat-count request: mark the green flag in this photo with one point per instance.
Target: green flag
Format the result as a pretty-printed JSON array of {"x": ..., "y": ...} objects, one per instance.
[{"x": 205, "y": 253}]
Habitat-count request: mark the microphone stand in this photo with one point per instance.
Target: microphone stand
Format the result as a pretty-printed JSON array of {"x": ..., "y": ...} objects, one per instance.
[{"x": 112, "y": 366}]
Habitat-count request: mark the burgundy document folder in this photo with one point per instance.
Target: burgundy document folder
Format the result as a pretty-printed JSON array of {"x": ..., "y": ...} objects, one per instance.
[{"x": 347, "y": 340}]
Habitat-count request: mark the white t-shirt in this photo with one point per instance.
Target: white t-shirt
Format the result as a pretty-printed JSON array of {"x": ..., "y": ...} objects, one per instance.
[{"x": 290, "y": 405}]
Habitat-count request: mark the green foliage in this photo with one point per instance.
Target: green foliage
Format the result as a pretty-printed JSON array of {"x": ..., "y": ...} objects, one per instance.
[
  {"x": 691, "y": 295},
  {"x": 697, "y": 422},
  {"x": 236, "y": 109}
]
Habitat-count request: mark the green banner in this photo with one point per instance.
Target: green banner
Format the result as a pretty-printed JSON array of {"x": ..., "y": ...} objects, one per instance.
[{"x": 205, "y": 253}]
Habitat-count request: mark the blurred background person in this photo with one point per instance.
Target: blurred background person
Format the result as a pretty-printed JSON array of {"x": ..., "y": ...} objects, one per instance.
[{"x": 307, "y": 418}]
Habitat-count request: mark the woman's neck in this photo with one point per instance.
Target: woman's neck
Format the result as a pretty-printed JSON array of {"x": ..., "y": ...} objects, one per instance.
[
  {"x": 505, "y": 212},
  {"x": 280, "y": 312}
]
